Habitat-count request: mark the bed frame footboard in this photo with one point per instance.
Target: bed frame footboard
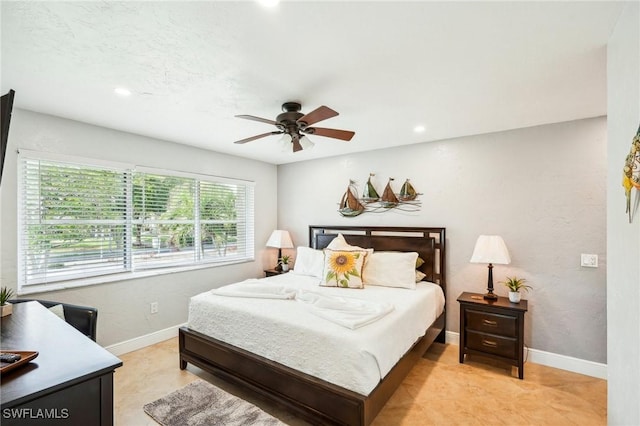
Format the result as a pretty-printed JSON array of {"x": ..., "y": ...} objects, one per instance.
[{"x": 313, "y": 399}]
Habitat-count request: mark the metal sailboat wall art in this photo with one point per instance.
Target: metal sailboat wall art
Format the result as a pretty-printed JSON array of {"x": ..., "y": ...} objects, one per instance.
[
  {"x": 370, "y": 195},
  {"x": 371, "y": 202},
  {"x": 407, "y": 192},
  {"x": 388, "y": 198},
  {"x": 350, "y": 206}
]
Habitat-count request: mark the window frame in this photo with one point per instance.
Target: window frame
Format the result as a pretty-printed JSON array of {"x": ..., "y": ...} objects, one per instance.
[{"x": 245, "y": 219}]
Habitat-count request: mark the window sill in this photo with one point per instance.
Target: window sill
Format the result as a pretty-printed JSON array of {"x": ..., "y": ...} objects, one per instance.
[{"x": 105, "y": 279}]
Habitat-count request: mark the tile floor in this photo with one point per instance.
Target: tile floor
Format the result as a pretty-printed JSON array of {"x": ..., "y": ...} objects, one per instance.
[{"x": 438, "y": 391}]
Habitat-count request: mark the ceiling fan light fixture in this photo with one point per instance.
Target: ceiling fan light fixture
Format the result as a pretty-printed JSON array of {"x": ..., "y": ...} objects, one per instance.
[
  {"x": 285, "y": 142},
  {"x": 306, "y": 143}
]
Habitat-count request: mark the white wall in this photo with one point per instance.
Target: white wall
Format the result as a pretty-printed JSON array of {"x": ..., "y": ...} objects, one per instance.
[
  {"x": 541, "y": 188},
  {"x": 124, "y": 306},
  {"x": 623, "y": 238}
]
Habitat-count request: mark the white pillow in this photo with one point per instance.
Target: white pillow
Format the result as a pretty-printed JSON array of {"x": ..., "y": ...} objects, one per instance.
[
  {"x": 391, "y": 269},
  {"x": 308, "y": 262},
  {"x": 339, "y": 243}
]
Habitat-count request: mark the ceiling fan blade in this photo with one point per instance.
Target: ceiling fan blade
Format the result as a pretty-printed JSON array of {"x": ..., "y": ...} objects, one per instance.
[
  {"x": 345, "y": 135},
  {"x": 295, "y": 139},
  {"x": 253, "y": 138},
  {"x": 318, "y": 114},
  {"x": 254, "y": 118}
]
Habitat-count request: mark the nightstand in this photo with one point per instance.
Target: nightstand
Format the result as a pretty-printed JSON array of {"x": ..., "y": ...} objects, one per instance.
[
  {"x": 494, "y": 329},
  {"x": 272, "y": 272}
]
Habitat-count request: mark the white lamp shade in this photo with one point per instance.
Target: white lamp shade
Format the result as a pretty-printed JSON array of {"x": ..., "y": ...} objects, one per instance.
[
  {"x": 490, "y": 249},
  {"x": 285, "y": 142},
  {"x": 305, "y": 143},
  {"x": 280, "y": 239}
]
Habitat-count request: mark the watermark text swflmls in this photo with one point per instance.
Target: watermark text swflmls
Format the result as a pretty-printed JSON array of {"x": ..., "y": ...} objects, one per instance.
[{"x": 35, "y": 413}]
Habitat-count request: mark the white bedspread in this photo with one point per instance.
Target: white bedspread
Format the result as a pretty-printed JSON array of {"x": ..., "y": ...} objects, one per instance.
[
  {"x": 256, "y": 289},
  {"x": 348, "y": 312},
  {"x": 294, "y": 335}
]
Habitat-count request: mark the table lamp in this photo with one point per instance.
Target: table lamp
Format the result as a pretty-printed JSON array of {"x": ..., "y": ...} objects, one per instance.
[
  {"x": 280, "y": 239},
  {"x": 490, "y": 249}
]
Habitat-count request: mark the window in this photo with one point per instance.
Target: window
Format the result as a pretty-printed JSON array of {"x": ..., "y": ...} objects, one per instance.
[{"x": 78, "y": 221}]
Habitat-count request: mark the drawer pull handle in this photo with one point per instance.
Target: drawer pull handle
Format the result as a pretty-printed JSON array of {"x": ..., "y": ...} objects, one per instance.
[
  {"x": 489, "y": 343},
  {"x": 490, "y": 323}
]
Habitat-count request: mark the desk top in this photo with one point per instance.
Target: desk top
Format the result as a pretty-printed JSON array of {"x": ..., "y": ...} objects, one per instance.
[{"x": 66, "y": 356}]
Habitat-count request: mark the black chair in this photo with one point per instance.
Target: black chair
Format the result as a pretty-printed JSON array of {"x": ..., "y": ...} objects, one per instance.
[{"x": 82, "y": 318}]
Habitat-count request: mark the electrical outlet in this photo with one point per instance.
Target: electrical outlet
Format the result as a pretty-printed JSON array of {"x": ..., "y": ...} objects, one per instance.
[
  {"x": 589, "y": 260},
  {"x": 154, "y": 307}
]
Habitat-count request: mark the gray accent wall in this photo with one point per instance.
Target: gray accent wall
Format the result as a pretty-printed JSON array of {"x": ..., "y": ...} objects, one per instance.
[
  {"x": 124, "y": 306},
  {"x": 623, "y": 238},
  {"x": 543, "y": 189}
]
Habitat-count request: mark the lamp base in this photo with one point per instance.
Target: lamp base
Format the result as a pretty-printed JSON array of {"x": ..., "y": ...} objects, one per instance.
[
  {"x": 278, "y": 266},
  {"x": 490, "y": 296}
]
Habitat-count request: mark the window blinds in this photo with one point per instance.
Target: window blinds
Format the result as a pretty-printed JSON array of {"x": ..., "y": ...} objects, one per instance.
[{"x": 79, "y": 221}]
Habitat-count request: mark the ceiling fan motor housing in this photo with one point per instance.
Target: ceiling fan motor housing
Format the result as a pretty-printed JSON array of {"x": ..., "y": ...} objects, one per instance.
[
  {"x": 288, "y": 120},
  {"x": 291, "y": 107}
]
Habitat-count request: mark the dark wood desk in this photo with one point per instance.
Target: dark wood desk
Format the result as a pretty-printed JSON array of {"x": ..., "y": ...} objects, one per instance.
[{"x": 69, "y": 383}]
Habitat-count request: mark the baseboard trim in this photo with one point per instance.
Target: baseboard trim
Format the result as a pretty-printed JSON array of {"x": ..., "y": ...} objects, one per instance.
[
  {"x": 563, "y": 362},
  {"x": 143, "y": 341},
  {"x": 452, "y": 338}
]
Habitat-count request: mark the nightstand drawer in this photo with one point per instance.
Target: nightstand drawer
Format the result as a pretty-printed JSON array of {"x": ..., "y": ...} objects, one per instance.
[
  {"x": 498, "y": 345},
  {"x": 503, "y": 325}
]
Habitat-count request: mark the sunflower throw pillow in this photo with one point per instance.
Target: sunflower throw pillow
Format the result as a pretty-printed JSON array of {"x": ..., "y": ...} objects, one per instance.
[{"x": 343, "y": 268}]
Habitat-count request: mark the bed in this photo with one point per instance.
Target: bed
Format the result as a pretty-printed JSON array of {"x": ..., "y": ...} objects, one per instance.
[{"x": 304, "y": 393}]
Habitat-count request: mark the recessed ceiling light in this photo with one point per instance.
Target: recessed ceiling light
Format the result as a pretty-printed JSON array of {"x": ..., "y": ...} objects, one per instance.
[
  {"x": 269, "y": 3},
  {"x": 419, "y": 129},
  {"x": 121, "y": 91}
]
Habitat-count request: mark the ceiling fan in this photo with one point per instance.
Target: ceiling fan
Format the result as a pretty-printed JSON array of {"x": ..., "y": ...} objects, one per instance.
[{"x": 294, "y": 125}]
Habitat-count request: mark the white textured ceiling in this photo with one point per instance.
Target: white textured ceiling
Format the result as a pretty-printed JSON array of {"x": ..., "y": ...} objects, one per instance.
[{"x": 458, "y": 68}]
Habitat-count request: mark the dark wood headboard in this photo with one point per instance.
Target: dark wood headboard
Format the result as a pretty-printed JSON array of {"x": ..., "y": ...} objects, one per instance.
[{"x": 428, "y": 242}]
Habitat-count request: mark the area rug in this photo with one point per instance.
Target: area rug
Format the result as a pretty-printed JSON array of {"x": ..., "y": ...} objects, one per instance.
[{"x": 201, "y": 403}]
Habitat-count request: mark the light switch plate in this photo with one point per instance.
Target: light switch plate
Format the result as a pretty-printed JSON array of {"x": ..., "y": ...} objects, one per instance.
[{"x": 589, "y": 260}]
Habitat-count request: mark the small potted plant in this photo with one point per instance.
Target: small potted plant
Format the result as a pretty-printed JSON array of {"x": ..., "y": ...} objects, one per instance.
[
  {"x": 5, "y": 307},
  {"x": 514, "y": 285},
  {"x": 284, "y": 262}
]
